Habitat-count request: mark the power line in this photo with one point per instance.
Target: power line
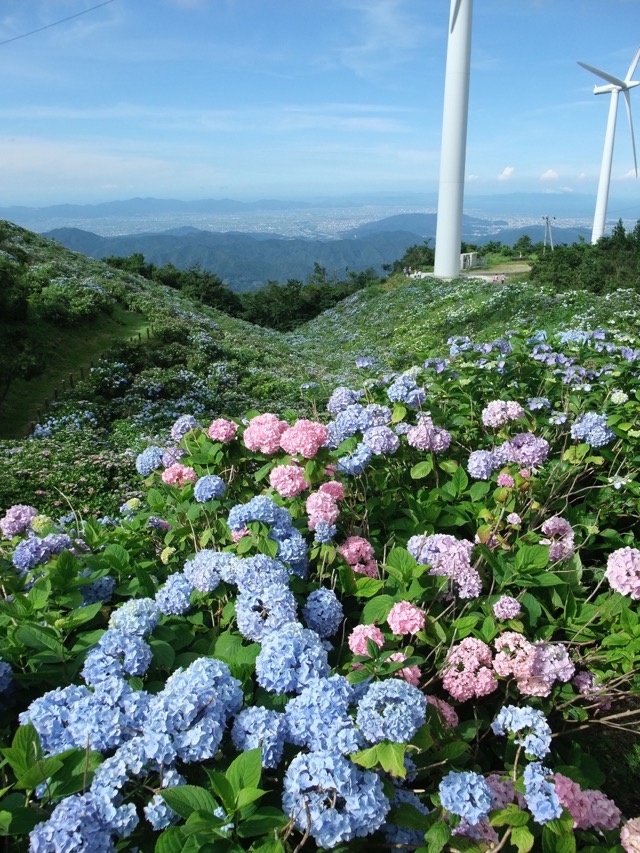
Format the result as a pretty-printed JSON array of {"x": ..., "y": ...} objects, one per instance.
[{"x": 55, "y": 23}]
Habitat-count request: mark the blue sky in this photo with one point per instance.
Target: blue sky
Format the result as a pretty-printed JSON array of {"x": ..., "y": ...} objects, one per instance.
[{"x": 253, "y": 99}]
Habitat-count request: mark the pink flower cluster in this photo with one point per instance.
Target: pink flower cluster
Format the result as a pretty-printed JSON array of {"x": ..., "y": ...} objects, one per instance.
[
  {"x": 561, "y": 544},
  {"x": 630, "y": 836},
  {"x": 304, "y": 437},
  {"x": 506, "y": 481},
  {"x": 535, "y": 666},
  {"x": 468, "y": 670},
  {"x": 411, "y": 674},
  {"x": 360, "y": 555},
  {"x": 323, "y": 504},
  {"x": 499, "y": 412},
  {"x": 405, "y": 618},
  {"x": 359, "y": 636},
  {"x": 263, "y": 433},
  {"x": 623, "y": 571},
  {"x": 448, "y": 557},
  {"x": 426, "y": 436},
  {"x": 507, "y": 607},
  {"x": 288, "y": 480},
  {"x": 448, "y": 713},
  {"x": 589, "y": 809},
  {"x": 178, "y": 475},
  {"x": 222, "y": 430}
]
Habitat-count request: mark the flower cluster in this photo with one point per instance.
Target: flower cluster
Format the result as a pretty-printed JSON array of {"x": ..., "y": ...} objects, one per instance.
[
  {"x": 448, "y": 557},
  {"x": 359, "y": 554},
  {"x": 500, "y": 412},
  {"x": 17, "y": 519},
  {"x": 623, "y": 571}
]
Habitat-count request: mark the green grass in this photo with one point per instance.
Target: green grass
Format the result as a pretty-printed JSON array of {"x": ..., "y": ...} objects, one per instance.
[{"x": 66, "y": 353}]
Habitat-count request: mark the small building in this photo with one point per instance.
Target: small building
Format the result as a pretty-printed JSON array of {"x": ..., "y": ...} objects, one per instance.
[{"x": 469, "y": 260}]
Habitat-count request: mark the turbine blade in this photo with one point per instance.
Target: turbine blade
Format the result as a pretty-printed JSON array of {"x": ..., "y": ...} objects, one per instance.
[
  {"x": 632, "y": 67},
  {"x": 627, "y": 101},
  {"x": 454, "y": 16},
  {"x": 616, "y": 81}
]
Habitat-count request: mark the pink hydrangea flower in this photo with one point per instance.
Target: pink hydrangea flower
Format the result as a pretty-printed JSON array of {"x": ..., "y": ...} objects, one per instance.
[
  {"x": 468, "y": 670},
  {"x": 448, "y": 713},
  {"x": 237, "y": 535},
  {"x": 499, "y": 412},
  {"x": 360, "y": 556},
  {"x": 405, "y": 618},
  {"x": 359, "y": 636},
  {"x": 507, "y": 607},
  {"x": 304, "y": 437},
  {"x": 333, "y": 488},
  {"x": 630, "y": 836},
  {"x": 589, "y": 809},
  {"x": 514, "y": 518},
  {"x": 16, "y": 519},
  {"x": 263, "y": 433},
  {"x": 623, "y": 571},
  {"x": 222, "y": 430},
  {"x": 178, "y": 475},
  {"x": 321, "y": 506},
  {"x": 506, "y": 481},
  {"x": 426, "y": 436},
  {"x": 561, "y": 545},
  {"x": 449, "y": 557},
  {"x": 514, "y": 655},
  {"x": 411, "y": 674},
  {"x": 288, "y": 480}
]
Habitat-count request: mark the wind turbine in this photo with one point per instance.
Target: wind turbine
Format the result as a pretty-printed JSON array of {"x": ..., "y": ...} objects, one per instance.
[
  {"x": 454, "y": 141},
  {"x": 614, "y": 87}
]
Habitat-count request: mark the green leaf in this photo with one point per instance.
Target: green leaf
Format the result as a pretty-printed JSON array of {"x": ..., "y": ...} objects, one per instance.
[
  {"x": 186, "y": 799},
  {"x": 377, "y": 609},
  {"x": 398, "y": 414},
  {"x": 478, "y": 491},
  {"x": 38, "y": 773},
  {"x": 263, "y": 472},
  {"x": 170, "y": 841},
  {"x": 245, "y": 770},
  {"x": 554, "y": 843},
  {"x": 265, "y": 820},
  {"x": 163, "y": 654},
  {"x": 223, "y": 789},
  {"x": 368, "y": 587},
  {"x": 271, "y": 845},
  {"x": 437, "y": 837},
  {"x": 391, "y": 758},
  {"x": 401, "y": 559},
  {"x": 40, "y": 638},
  {"x": 80, "y": 616},
  {"x": 249, "y": 795},
  {"x": 116, "y": 557},
  {"x": 511, "y": 815},
  {"x": 522, "y": 838},
  {"x": 421, "y": 470},
  {"x": 532, "y": 557}
]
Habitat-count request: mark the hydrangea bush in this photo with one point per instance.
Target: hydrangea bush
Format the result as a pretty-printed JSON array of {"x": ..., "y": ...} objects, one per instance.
[{"x": 395, "y": 625}]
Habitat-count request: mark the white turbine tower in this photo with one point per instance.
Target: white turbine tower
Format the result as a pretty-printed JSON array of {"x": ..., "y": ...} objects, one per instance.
[
  {"x": 614, "y": 87},
  {"x": 454, "y": 141}
]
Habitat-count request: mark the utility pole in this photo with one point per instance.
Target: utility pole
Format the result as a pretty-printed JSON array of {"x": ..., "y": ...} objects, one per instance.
[{"x": 547, "y": 232}]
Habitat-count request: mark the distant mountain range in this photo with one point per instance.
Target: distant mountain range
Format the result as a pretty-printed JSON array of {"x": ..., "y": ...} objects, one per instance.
[{"x": 247, "y": 261}]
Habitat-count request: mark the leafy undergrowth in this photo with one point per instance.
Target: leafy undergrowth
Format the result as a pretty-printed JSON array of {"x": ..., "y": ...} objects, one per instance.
[{"x": 405, "y": 621}]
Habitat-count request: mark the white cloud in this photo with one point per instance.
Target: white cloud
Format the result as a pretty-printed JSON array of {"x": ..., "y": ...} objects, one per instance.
[
  {"x": 631, "y": 174},
  {"x": 506, "y": 174},
  {"x": 472, "y": 178},
  {"x": 549, "y": 175}
]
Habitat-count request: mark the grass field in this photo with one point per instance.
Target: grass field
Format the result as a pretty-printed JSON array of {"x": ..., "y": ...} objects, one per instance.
[{"x": 66, "y": 354}]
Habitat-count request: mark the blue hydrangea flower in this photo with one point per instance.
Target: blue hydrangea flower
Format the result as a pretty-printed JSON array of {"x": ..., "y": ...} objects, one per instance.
[
  {"x": 49, "y": 715},
  {"x": 466, "y": 794},
  {"x": 341, "y": 398},
  {"x": 208, "y": 488},
  {"x": 149, "y": 460},
  {"x": 530, "y": 727},
  {"x": 354, "y": 463},
  {"x": 182, "y": 426},
  {"x": 136, "y": 616},
  {"x": 204, "y": 570},
  {"x": 34, "y": 551},
  {"x": 341, "y": 801},
  {"x": 258, "y": 614},
  {"x": 347, "y": 423},
  {"x": 381, "y": 440},
  {"x": 324, "y": 532},
  {"x": 258, "y": 727},
  {"x": 174, "y": 598},
  {"x": 391, "y": 710},
  {"x": 323, "y": 612},
  {"x": 255, "y": 573},
  {"x": 98, "y": 590},
  {"x": 259, "y": 508},
  {"x": 117, "y": 653},
  {"x": 292, "y": 550},
  {"x": 194, "y": 708},
  {"x": 319, "y": 719},
  {"x": 593, "y": 429},
  {"x": 536, "y": 403},
  {"x": 482, "y": 464},
  {"x": 291, "y": 659},
  {"x": 157, "y": 812},
  {"x": 6, "y": 681},
  {"x": 76, "y": 824},
  {"x": 404, "y": 389},
  {"x": 540, "y": 795}
]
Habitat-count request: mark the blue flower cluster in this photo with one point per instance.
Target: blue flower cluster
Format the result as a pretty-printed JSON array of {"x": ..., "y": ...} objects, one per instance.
[
  {"x": 391, "y": 710},
  {"x": 208, "y": 488},
  {"x": 323, "y": 612},
  {"x": 324, "y": 532},
  {"x": 405, "y": 389},
  {"x": 34, "y": 551},
  {"x": 319, "y": 719},
  {"x": 204, "y": 571},
  {"x": 529, "y": 725},
  {"x": 149, "y": 460},
  {"x": 260, "y": 613},
  {"x": 258, "y": 727},
  {"x": 291, "y": 659},
  {"x": 136, "y": 616},
  {"x": 174, "y": 598},
  {"x": 183, "y": 425},
  {"x": 466, "y": 794},
  {"x": 381, "y": 440},
  {"x": 354, "y": 463},
  {"x": 540, "y": 795},
  {"x": 341, "y": 398},
  {"x": 118, "y": 653},
  {"x": 402, "y": 836},
  {"x": 292, "y": 547},
  {"x": 592, "y": 428},
  {"x": 339, "y": 801},
  {"x": 482, "y": 464}
]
